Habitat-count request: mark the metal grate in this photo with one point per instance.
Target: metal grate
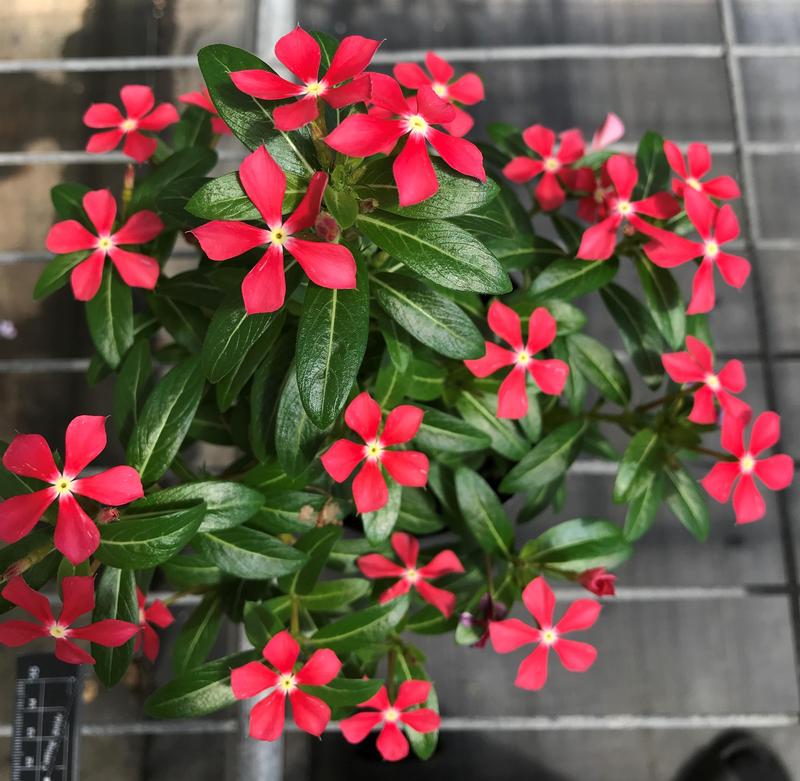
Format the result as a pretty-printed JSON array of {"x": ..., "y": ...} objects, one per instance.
[{"x": 273, "y": 17}]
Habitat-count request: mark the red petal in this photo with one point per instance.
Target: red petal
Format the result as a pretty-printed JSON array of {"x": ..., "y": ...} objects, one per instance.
[
  {"x": 323, "y": 666},
  {"x": 369, "y": 489},
  {"x": 150, "y": 643},
  {"x": 139, "y": 147},
  {"x": 326, "y": 264},
  {"x": 410, "y": 75},
  {"x": 264, "y": 287},
  {"x": 571, "y": 146},
  {"x": 142, "y": 227},
  {"x": 199, "y": 98},
  {"x": 379, "y": 700},
  {"x": 461, "y": 125},
  {"x": 373, "y": 565},
  {"x": 29, "y": 455},
  {"x": 406, "y": 547},
  {"x": 550, "y": 375},
  {"x": 413, "y": 172},
  {"x": 719, "y": 481},
  {"x": 391, "y": 743},
  {"x": 103, "y": 142},
  {"x": 541, "y": 330},
  {"x": 766, "y": 432},
  {"x": 411, "y": 693},
  {"x": 341, "y": 458},
  {"x": 401, "y": 425},
  {"x": 69, "y": 236},
  {"x": 468, "y": 89},
  {"x": 363, "y": 415},
  {"x": 386, "y": 94},
  {"x": 265, "y": 184},
  {"x": 136, "y": 270},
  {"x": 703, "y": 294},
  {"x": 355, "y": 91},
  {"x": 675, "y": 158},
  {"x": 681, "y": 367},
  {"x": 116, "y": 486},
  {"x": 440, "y": 69},
  {"x": 267, "y": 717},
  {"x": 508, "y": 635},
  {"x": 505, "y": 322},
  {"x": 84, "y": 441},
  {"x": 362, "y": 135},
  {"x": 732, "y": 377},
  {"x": 138, "y": 99},
  {"x": 100, "y": 115},
  {"x": 598, "y": 241},
  {"x": 512, "y": 400},
  {"x": 734, "y": 407},
  {"x": 76, "y": 535},
  {"x": 699, "y": 160},
  {"x": 422, "y": 720},
  {"x": 433, "y": 108},
  {"x": 669, "y": 250},
  {"x": 407, "y": 467},
  {"x": 747, "y": 501},
  {"x": 19, "y": 593},
  {"x": 16, "y": 633},
  {"x": 701, "y": 212},
  {"x": 723, "y": 187},
  {"x": 703, "y": 409},
  {"x": 701, "y": 353},
  {"x": 397, "y": 590},
  {"x": 575, "y": 656},
  {"x": 622, "y": 172},
  {"x": 444, "y": 563},
  {"x": 110, "y": 632},
  {"x": 163, "y": 115},
  {"x": 77, "y": 597},
  {"x": 733, "y": 436},
  {"x": 264, "y": 85},
  {"x": 219, "y": 127},
  {"x": 777, "y": 472},
  {"x": 72, "y": 654},
  {"x": 300, "y": 53},
  {"x": 540, "y": 601},
  {"x": 310, "y": 713},
  {"x": 307, "y": 210},
  {"x": 522, "y": 169},
  {"x": 356, "y": 728},
  {"x": 609, "y": 132},
  {"x": 460, "y": 154},
  {"x": 86, "y": 276},
  {"x": 539, "y": 138},
  {"x": 661, "y": 205},
  {"x": 581, "y": 614},
  {"x": 496, "y": 358},
  {"x": 726, "y": 227},
  {"x": 295, "y": 115},
  {"x": 532, "y": 672},
  {"x": 734, "y": 269},
  {"x": 351, "y": 58},
  {"x": 251, "y": 679},
  {"x": 548, "y": 193},
  {"x": 19, "y": 514},
  {"x": 282, "y": 651},
  {"x": 442, "y": 600},
  {"x": 159, "y": 614}
]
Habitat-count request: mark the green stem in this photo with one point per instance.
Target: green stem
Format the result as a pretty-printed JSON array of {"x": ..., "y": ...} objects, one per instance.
[
  {"x": 391, "y": 663},
  {"x": 294, "y": 625},
  {"x": 687, "y": 389}
]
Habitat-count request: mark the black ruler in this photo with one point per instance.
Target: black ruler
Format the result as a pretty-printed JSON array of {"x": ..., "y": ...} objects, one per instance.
[{"x": 44, "y": 746}]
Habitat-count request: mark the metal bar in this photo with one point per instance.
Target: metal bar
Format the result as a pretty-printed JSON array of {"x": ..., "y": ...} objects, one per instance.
[
  {"x": 78, "y": 156},
  {"x": 43, "y": 365}
]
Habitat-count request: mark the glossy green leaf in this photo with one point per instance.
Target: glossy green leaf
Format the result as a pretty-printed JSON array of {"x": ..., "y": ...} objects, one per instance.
[
  {"x": 131, "y": 384},
  {"x": 317, "y": 545},
  {"x": 57, "y": 272},
  {"x": 297, "y": 439},
  {"x": 361, "y": 629},
  {"x": 480, "y": 411},
  {"x": 198, "y": 635},
  {"x": 444, "y": 433},
  {"x": 664, "y": 301},
  {"x": 643, "y": 508},
  {"x": 109, "y": 316},
  {"x": 379, "y": 525},
  {"x": 570, "y": 278},
  {"x": 642, "y": 458},
  {"x": 190, "y": 570},
  {"x": 115, "y": 597},
  {"x": 600, "y": 366},
  {"x": 483, "y": 513},
  {"x": 652, "y": 165},
  {"x": 687, "y": 502}
]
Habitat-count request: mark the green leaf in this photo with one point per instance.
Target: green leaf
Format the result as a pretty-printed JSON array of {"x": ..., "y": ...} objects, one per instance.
[
  {"x": 198, "y": 635},
  {"x": 687, "y": 502},
  {"x": 317, "y": 545},
  {"x": 391, "y": 384},
  {"x": 260, "y": 623},
  {"x": 343, "y": 206},
  {"x": 639, "y": 462},
  {"x": 437, "y": 250},
  {"x": 115, "y": 597},
  {"x": 193, "y": 162},
  {"x": 199, "y": 692},
  {"x": 504, "y": 218},
  {"x": 483, "y": 512},
  {"x": 480, "y": 411},
  {"x": 334, "y": 595},
  {"x": 429, "y": 317},
  {"x": 639, "y": 334},
  {"x": 331, "y": 341},
  {"x": 171, "y": 203},
  {"x": 664, "y": 301},
  {"x": 379, "y": 525},
  {"x": 67, "y": 198},
  {"x": 445, "y": 433},
  {"x": 417, "y": 513},
  {"x": 361, "y": 629},
  {"x": 186, "y": 324},
  {"x": 345, "y": 692},
  {"x": 457, "y": 194},
  {"x": 146, "y": 538},
  {"x": 652, "y": 165},
  {"x": 249, "y": 554},
  {"x": 548, "y": 461},
  {"x": 578, "y": 545},
  {"x": 643, "y": 508},
  {"x": 426, "y": 380},
  {"x": 576, "y": 388},
  {"x": 190, "y": 570},
  {"x": 568, "y": 279},
  {"x": 288, "y": 512},
  {"x": 599, "y": 365},
  {"x": 297, "y": 439},
  {"x": 165, "y": 420},
  {"x": 109, "y": 316},
  {"x": 227, "y": 504},
  {"x": 56, "y": 273},
  {"x": 569, "y": 231},
  {"x": 131, "y": 383},
  {"x": 194, "y": 128}
]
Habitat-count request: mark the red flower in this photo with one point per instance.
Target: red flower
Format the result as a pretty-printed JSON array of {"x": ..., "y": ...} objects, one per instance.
[
  {"x": 29, "y": 455},
  {"x": 78, "y": 599},
  {"x": 716, "y": 226},
  {"x": 697, "y": 365},
  {"x": 140, "y": 115},
  {"x": 723, "y": 187},
  {"x": 776, "y": 472},
  {"x": 157, "y": 614},
  {"x": 608, "y": 133},
  {"x": 267, "y": 717},
  {"x": 466, "y": 90},
  {"x": 136, "y": 270},
  {"x": 301, "y": 54},
  {"x": 598, "y": 581},
  {"x": 549, "y": 375},
  {"x": 202, "y": 100},
  {"x": 599, "y": 240},
  {"x": 512, "y": 633},
  {"x": 594, "y": 188},
  {"x": 553, "y": 165},
  {"x": 407, "y": 467},
  {"x": 393, "y": 116},
  {"x": 264, "y": 287},
  {"x": 373, "y": 565},
  {"x": 392, "y": 744}
]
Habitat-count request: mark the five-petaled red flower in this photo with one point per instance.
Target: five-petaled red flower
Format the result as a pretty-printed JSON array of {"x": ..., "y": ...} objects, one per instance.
[
  {"x": 267, "y": 717},
  {"x": 407, "y": 467},
  {"x": 466, "y": 90},
  {"x": 202, "y": 100},
  {"x": 140, "y": 115},
  {"x": 599, "y": 581},
  {"x": 549, "y": 375},
  {"x": 393, "y": 116},
  {"x": 697, "y": 366},
  {"x": 373, "y": 565},
  {"x": 595, "y": 185},
  {"x": 301, "y": 54},
  {"x": 264, "y": 287},
  {"x": 598, "y": 241},
  {"x": 776, "y": 472},
  {"x": 136, "y": 270},
  {"x": 511, "y": 634},
  {"x": 392, "y": 744},
  {"x": 722, "y": 187},
  {"x": 78, "y": 599},
  {"x": 716, "y": 226},
  {"x": 29, "y": 455},
  {"x": 553, "y": 166},
  {"x": 154, "y": 614}
]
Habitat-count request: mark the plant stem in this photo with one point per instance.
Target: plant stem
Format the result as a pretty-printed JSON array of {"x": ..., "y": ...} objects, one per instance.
[
  {"x": 718, "y": 454},
  {"x": 686, "y": 389},
  {"x": 127, "y": 188},
  {"x": 391, "y": 662},
  {"x": 294, "y": 625}
]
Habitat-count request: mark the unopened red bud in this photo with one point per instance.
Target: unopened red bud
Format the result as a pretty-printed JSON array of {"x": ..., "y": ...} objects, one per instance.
[
  {"x": 326, "y": 227},
  {"x": 108, "y": 515}
]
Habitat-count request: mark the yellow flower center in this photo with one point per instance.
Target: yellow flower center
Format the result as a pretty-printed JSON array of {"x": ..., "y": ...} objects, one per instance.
[
  {"x": 599, "y": 195},
  {"x": 374, "y": 450},
  {"x": 391, "y": 714},
  {"x": 104, "y": 243},
  {"x": 417, "y": 124},
  {"x": 551, "y": 164},
  {"x": 440, "y": 90},
  {"x": 694, "y": 184},
  {"x": 286, "y": 683},
  {"x": 411, "y": 575},
  {"x": 278, "y": 236},
  {"x": 747, "y": 463},
  {"x": 713, "y": 382},
  {"x": 315, "y": 88},
  {"x": 62, "y": 485},
  {"x": 523, "y": 358},
  {"x": 58, "y": 631},
  {"x": 128, "y": 125},
  {"x": 712, "y": 249},
  {"x": 624, "y": 207},
  {"x": 549, "y": 636}
]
